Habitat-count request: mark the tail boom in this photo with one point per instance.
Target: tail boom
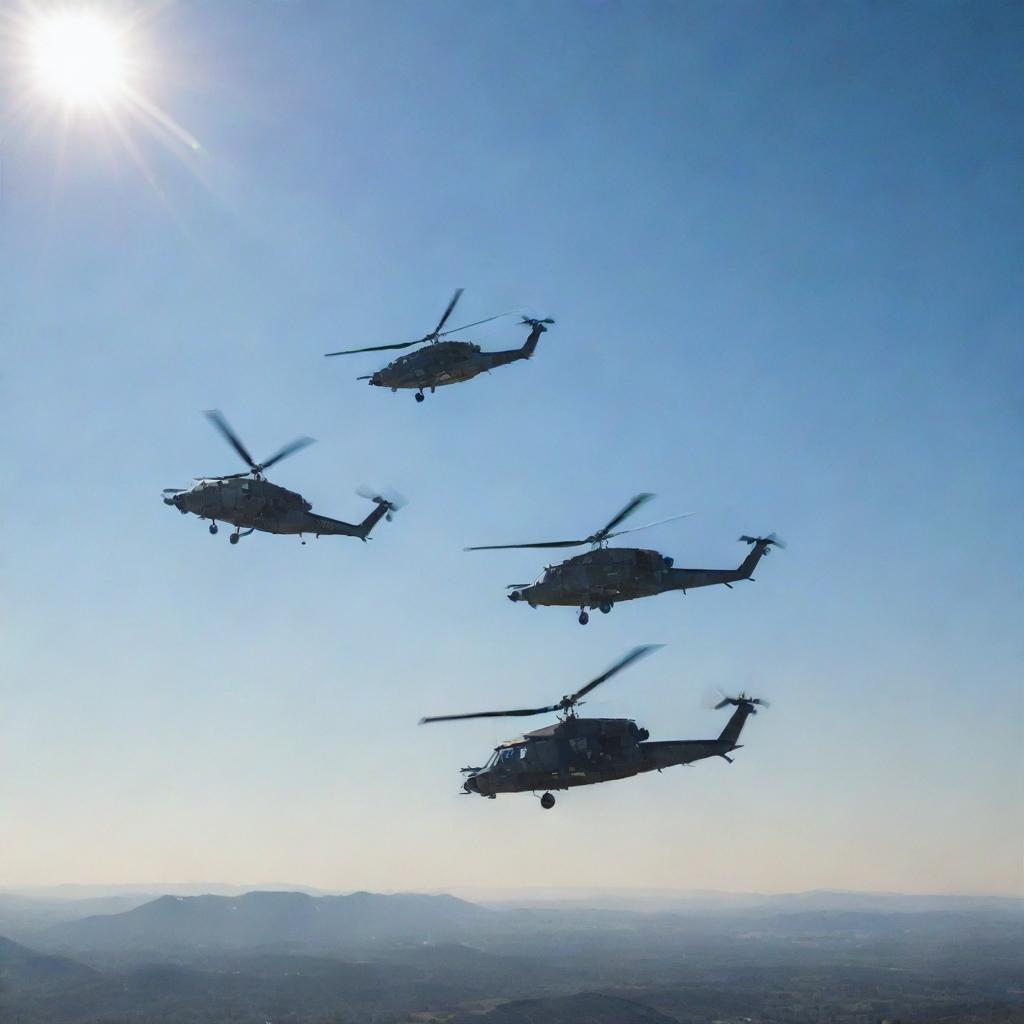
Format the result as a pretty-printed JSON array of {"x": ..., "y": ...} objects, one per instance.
[
  {"x": 327, "y": 527},
  {"x": 515, "y": 354},
  {"x": 688, "y": 579},
  {"x": 668, "y": 753}
]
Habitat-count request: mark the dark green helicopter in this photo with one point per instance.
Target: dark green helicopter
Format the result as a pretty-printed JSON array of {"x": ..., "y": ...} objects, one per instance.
[
  {"x": 248, "y": 501},
  {"x": 604, "y": 576},
  {"x": 445, "y": 362},
  {"x": 584, "y": 751}
]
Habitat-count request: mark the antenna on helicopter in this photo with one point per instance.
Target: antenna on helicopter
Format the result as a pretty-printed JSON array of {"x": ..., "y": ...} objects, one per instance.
[
  {"x": 598, "y": 539},
  {"x": 567, "y": 705}
]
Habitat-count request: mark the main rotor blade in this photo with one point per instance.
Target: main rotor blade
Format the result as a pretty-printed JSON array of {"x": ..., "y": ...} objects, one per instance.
[
  {"x": 216, "y": 417},
  {"x": 374, "y": 348},
  {"x": 647, "y": 526},
  {"x": 640, "y": 499},
  {"x": 521, "y": 713},
  {"x": 289, "y": 449},
  {"x": 448, "y": 311},
  {"x": 546, "y": 544},
  {"x": 637, "y": 652},
  {"x": 475, "y": 323}
]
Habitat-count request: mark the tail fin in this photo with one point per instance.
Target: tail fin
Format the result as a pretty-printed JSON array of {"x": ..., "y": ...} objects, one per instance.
[
  {"x": 384, "y": 508},
  {"x": 759, "y": 549},
  {"x": 744, "y": 709},
  {"x": 538, "y": 330}
]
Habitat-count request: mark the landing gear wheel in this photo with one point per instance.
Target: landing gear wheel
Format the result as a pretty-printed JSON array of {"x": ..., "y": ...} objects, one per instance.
[
  {"x": 584, "y": 619},
  {"x": 213, "y": 527},
  {"x": 233, "y": 538},
  {"x": 547, "y": 801},
  {"x": 605, "y": 608},
  {"x": 419, "y": 396}
]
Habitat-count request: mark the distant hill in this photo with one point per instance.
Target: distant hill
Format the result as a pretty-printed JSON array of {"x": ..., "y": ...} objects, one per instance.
[
  {"x": 271, "y": 919},
  {"x": 584, "y": 1008},
  {"x": 22, "y": 968}
]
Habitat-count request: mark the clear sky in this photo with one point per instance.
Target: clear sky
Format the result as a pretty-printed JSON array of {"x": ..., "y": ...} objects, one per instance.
[{"x": 783, "y": 244}]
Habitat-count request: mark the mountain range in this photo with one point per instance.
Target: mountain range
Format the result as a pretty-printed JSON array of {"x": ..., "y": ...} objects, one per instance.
[{"x": 271, "y": 919}]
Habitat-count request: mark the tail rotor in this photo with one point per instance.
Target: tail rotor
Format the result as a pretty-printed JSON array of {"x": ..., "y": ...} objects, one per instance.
[
  {"x": 750, "y": 703},
  {"x": 391, "y": 500},
  {"x": 769, "y": 542}
]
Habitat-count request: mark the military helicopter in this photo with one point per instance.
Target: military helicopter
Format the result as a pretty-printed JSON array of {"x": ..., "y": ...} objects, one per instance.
[
  {"x": 251, "y": 502},
  {"x": 445, "y": 362},
  {"x": 606, "y": 575},
  {"x": 583, "y": 751}
]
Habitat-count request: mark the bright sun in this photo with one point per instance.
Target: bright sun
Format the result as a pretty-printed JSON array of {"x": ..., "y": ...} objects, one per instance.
[
  {"x": 79, "y": 59},
  {"x": 83, "y": 68}
]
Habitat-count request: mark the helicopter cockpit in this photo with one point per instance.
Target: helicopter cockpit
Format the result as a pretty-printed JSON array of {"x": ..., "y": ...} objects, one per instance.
[
  {"x": 506, "y": 758},
  {"x": 551, "y": 574}
]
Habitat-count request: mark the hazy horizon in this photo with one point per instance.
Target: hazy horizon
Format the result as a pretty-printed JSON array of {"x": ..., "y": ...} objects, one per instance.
[{"x": 86, "y": 890}]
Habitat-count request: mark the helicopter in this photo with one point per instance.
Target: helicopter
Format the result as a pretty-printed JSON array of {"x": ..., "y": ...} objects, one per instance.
[
  {"x": 584, "y": 751},
  {"x": 248, "y": 501},
  {"x": 606, "y": 575},
  {"x": 445, "y": 362}
]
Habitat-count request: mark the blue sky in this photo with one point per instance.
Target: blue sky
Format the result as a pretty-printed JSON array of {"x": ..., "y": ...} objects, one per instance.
[{"x": 783, "y": 247}]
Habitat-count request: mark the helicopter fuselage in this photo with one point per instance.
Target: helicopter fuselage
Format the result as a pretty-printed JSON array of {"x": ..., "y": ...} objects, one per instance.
[
  {"x": 585, "y": 751},
  {"x": 257, "y": 504},
  {"x": 604, "y": 576},
  {"x": 448, "y": 362}
]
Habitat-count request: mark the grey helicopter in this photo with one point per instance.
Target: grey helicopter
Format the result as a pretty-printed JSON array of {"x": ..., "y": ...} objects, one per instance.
[
  {"x": 445, "y": 362},
  {"x": 248, "y": 501},
  {"x": 604, "y": 576},
  {"x": 584, "y": 751}
]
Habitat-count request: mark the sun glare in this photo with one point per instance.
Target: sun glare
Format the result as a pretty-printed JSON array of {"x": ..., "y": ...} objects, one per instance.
[
  {"x": 79, "y": 59},
  {"x": 85, "y": 74}
]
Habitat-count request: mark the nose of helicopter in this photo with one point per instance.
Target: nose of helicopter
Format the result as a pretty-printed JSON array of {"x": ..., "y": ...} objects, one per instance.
[
  {"x": 515, "y": 595},
  {"x": 470, "y": 785},
  {"x": 178, "y": 500}
]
